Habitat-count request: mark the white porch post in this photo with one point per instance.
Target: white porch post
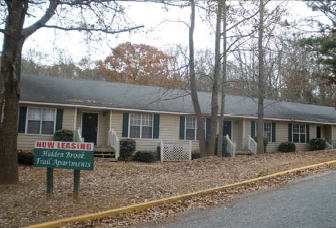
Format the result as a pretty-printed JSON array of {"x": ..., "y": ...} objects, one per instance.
[
  {"x": 75, "y": 119},
  {"x": 332, "y": 136},
  {"x": 110, "y": 120}
]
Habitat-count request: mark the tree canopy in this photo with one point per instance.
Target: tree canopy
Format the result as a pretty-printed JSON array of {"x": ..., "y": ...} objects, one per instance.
[
  {"x": 324, "y": 42},
  {"x": 140, "y": 64}
]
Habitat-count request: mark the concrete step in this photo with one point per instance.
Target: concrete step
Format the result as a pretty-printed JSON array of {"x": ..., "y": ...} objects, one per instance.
[{"x": 104, "y": 152}]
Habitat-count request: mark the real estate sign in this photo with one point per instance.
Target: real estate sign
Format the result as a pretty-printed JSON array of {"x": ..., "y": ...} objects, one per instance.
[{"x": 63, "y": 155}]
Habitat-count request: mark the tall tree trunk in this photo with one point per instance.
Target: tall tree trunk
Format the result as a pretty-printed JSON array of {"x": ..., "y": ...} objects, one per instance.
[
  {"x": 214, "y": 97},
  {"x": 261, "y": 80},
  {"x": 223, "y": 84},
  {"x": 193, "y": 86},
  {"x": 2, "y": 92},
  {"x": 10, "y": 77}
]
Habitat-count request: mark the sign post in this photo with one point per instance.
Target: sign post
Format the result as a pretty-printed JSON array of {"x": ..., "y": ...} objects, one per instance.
[
  {"x": 50, "y": 183},
  {"x": 63, "y": 155},
  {"x": 76, "y": 184}
]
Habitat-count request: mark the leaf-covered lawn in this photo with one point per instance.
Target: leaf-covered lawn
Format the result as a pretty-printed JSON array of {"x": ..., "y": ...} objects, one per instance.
[{"x": 115, "y": 184}]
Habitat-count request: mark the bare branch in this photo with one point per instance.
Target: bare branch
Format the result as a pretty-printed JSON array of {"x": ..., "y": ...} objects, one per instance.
[
  {"x": 43, "y": 20},
  {"x": 93, "y": 29}
]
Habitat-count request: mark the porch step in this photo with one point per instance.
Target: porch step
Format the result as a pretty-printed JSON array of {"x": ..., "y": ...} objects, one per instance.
[
  {"x": 243, "y": 152},
  {"x": 104, "y": 152}
]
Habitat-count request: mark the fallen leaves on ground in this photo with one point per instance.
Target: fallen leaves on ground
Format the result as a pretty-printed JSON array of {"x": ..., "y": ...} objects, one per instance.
[{"x": 116, "y": 184}]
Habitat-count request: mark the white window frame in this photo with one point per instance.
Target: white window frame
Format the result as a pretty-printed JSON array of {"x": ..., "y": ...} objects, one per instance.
[
  {"x": 299, "y": 133},
  {"x": 271, "y": 129},
  {"x": 195, "y": 129},
  {"x": 141, "y": 118},
  {"x": 268, "y": 128},
  {"x": 40, "y": 133}
]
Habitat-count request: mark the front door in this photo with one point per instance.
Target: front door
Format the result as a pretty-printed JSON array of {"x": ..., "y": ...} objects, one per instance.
[
  {"x": 90, "y": 127},
  {"x": 318, "y": 132},
  {"x": 227, "y": 128}
]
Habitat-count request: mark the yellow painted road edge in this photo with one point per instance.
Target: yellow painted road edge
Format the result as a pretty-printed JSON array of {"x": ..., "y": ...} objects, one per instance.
[{"x": 145, "y": 205}]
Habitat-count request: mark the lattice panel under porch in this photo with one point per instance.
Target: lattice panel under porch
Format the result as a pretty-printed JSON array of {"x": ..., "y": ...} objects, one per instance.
[{"x": 172, "y": 151}]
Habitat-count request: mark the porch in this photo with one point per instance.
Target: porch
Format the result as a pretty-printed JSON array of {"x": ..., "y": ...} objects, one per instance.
[{"x": 95, "y": 125}]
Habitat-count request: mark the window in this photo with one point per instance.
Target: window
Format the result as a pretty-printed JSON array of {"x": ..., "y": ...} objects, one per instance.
[
  {"x": 41, "y": 121},
  {"x": 299, "y": 133},
  {"x": 268, "y": 131},
  {"x": 141, "y": 126},
  {"x": 191, "y": 128}
]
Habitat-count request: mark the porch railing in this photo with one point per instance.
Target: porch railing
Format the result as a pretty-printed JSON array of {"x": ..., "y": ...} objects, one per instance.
[
  {"x": 250, "y": 144},
  {"x": 333, "y": 143},
  {"x": 328, "y": 145},
  {"x": 113, "y": 141},
  {"x": 78, "y": 135},
  {"x": 231, "y": 146}
]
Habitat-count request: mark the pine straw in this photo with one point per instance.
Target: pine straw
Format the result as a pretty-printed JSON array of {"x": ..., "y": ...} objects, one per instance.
[{"x": 115, "y": 184}]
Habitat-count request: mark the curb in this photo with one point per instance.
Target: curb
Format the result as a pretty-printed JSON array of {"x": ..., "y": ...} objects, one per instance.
[{"x": 143, "y": 206}]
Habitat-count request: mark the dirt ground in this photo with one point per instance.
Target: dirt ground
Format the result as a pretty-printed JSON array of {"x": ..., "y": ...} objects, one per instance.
[{"x": 115, "y": 184}]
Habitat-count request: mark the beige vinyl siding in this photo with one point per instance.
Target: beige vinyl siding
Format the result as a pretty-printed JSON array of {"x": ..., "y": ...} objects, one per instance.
[
  {"x": 237, "y": 131},
  {"x": 327, "y": 129},
  {"x": 333, "y": 133},
  {"x": 169, "y": 130},
  {"x": 169, "y": 127},
  {"x": 27, "y": 141},
  {"x": 68, "y": 118},
  {"x": 312, "y": 131},
  {"x": 117, "y": 122},
  {"x": 247, "y": 128},
  {"x": 141, "y": 144},
  {"x": 79, "y": 119},
  {"x": 281, "y": 135}
]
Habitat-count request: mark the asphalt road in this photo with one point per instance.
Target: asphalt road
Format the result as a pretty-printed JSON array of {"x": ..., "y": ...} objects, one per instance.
[{"x": 310, "y": 203}]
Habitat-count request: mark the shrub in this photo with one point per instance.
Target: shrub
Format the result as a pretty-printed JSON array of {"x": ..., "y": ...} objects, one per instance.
[
  {"x": 317, "y": 144},
  {"x": 25, "y": 157},
  {"x": 127, "y": 148},
  {"x": 265, "y": 142},
  {"x": 64, "y": 135},
  {"x": 224, "y": 144},
  {"x": 287, "y": 147},
  {"x": 145, "y": 156}
]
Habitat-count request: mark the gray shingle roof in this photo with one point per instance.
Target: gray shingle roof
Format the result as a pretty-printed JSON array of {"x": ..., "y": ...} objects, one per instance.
[{"x": 47, "y": 89}]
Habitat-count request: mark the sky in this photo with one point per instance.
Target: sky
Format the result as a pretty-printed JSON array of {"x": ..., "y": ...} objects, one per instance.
[
  {"x": 70, "y": 45},
  {"x": 157, "y": 32}
]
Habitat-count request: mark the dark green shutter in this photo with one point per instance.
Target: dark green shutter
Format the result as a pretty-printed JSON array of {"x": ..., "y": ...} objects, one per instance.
[
  {"x": 59, "y": 119},
  {"x": 253, "y": 130},
  {"x": 290, "y": 133},
  {"x": 125, "y": 125},
  {"x": 22, "y": 119},
  {"x": 207, "y": 129},
  {"x": 182, "y": 126},
  {"x": 273, "y": 132},
  {"x": 156, "y": 129},
  {"x": 307, "y": 135}
]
